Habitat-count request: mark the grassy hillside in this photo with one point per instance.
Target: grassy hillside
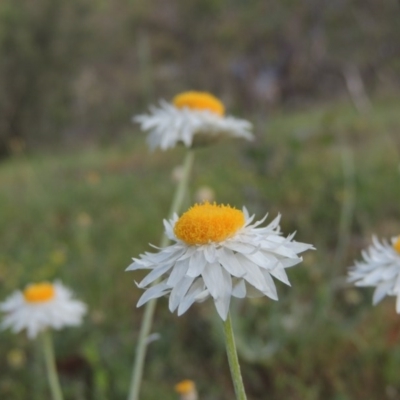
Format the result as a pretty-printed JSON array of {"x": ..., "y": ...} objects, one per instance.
[{"x": 331, "y": 172}]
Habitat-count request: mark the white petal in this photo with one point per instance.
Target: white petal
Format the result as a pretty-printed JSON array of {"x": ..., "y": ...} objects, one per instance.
[
  {"x": 169, "y": 231},
  {"x": 240, "y": 247},
  {"x": 222, "y": 306},
  {"x": 197, "y": 263},
  {"x": 228, "y": 260},
  {"x": 290, "y": 262},
  {"x": 177, "y": 273},
  {"x": 262, "y": 259},
  {"x": 270, "y": 288},
  {"x": 226, "y": 289},
  {"x": 381, "y": 291},
  {"x": 153, "y": 293},
  {"x": 137, "y": 264},
  {"x": 396, "y": 287},
  {"x": 373, "y": 277},
  {"x": 280, "y": 273},
  {"x": 191, "y": 295},
  {"x": 188, "y": 253},
  {"x": 390, "y": 272},
  {"x": 209, "y": 253},
  {"x": 153, "y": 275},
  {"x": 253, "y": 273},
  {"x": 213, "y": 279},
  {"x": 239, "y": 289},
  {"x": 178, "y": 292},
  {"x": 204, "y": 295}
]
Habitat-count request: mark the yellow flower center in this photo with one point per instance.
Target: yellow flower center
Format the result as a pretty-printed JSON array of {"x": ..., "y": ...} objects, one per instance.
[
  {"x": 39, "y": 292},
  {"x": 396, "y": 245},
  {"x": 204, "y": 223},
  {"x": 199, "y": 101},
  {"x": 185, "y": 387}
]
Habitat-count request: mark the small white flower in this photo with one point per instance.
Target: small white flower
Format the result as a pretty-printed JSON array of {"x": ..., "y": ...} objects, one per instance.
[
  {"x": 192, "y": 118},
  {"x": 218, "y": 253},
  {"x": 40, "y": 306},
  {"x": 380, "y": 268},
  {"x": 187, "y": 390}
]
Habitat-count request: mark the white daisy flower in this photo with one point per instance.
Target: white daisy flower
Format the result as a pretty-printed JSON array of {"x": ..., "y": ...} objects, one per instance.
[
  {"x": 193, "y": 118},
  {"x": 187, "y": 390},
  {"x": 40, "y": 306},
  {"x": 380, "y": 268},
  {"x": 219, "y": 253}
]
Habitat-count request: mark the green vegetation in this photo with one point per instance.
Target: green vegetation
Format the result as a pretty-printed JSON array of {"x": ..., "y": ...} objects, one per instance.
[
  {"x": 71, "y": 71},
  {"x": 80, "y": 217}
]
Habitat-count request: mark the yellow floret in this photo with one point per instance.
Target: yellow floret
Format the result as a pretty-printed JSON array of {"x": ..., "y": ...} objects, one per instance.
[
  {"x": 396, "y": 245},
  {"x": 185, "y": 387},
  {"x": 199, "y": 101},
  {"x": 39, "y": 292},
  {"x": 204, "y": 223}
]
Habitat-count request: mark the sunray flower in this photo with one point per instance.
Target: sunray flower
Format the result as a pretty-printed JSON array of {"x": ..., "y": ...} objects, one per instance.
[
  {"x": 380, "y": 268},
  {"x": 218, "y": 253},
  {"x": 193, "y": 118},
  {"x": 40, "y": 306},
  {"x": 187, "y": 390}
]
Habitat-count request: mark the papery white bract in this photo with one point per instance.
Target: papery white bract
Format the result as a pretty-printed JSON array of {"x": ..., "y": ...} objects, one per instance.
[
  {"x": 379, "y": 268},
  {"x": 169, "y": 124},
  {"x": 41, "y": 306},
  {"x": 240, "y": 265}
]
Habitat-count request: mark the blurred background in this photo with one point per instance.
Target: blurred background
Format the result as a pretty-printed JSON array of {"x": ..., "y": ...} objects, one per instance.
[{"x": 80, "y": 194}]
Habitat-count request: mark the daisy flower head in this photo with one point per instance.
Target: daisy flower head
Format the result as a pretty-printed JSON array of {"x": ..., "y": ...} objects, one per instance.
[
  {"x": 218, "y": 252},
  {"x": 380, "y": 268},
  {"x": 192, "y": 118},
  {"x": 187, "y": 390},
  {"x": 40, "y": 306}
]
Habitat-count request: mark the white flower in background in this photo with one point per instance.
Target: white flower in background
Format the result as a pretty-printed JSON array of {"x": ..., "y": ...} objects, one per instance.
[
  {"x": 203, "y": 194},
  {"x": 40, "y": 306},
  {"x": 218, "y": 253},
  {"x": 380, "y": 268},
  {"x": 187, "y": 390},
  {"x": 193, "y": 118}
]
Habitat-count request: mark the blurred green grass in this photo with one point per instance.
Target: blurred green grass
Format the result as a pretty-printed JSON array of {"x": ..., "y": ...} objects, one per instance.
[{"x": 330, "y": 171}]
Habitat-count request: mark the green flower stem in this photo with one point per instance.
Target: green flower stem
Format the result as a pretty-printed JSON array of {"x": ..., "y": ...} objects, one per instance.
[
  {"x": 150, "y": 306},
  {"x": 233, "y": 360},
  {"x": 49, "y": 359},
  {"x": 348, "y": 203}
]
